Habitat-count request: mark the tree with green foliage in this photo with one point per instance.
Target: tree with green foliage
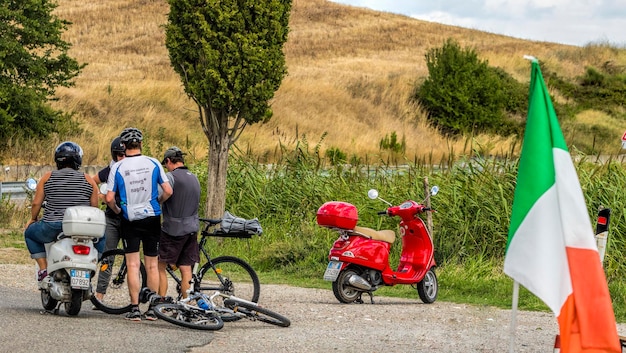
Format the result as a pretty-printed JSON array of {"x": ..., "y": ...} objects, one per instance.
[
  {"x": 463, "y": 94},
  {"x": 33, "y": 63},
  {"x": 229, "y": 56}
]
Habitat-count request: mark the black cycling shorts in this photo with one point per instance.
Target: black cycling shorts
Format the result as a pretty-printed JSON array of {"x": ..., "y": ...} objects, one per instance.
[{"x": 144, "y": 232}]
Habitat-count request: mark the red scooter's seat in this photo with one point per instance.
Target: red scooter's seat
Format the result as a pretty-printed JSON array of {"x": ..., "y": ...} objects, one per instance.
[{"x": 388, "y": 236}]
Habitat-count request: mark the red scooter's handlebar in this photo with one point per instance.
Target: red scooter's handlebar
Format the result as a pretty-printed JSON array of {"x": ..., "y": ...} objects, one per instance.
[{"x": 406, "y": 210}]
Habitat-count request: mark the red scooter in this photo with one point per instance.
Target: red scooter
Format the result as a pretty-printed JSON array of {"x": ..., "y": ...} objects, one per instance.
[{"x": 359, "y": 258}]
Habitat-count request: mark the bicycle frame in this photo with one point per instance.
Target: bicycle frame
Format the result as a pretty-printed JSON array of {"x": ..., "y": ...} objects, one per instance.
[{"x": 195, "y": 279}]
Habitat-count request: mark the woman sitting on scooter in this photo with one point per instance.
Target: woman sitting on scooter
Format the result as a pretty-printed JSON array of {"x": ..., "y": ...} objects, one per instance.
[{"x": 59, "y": 189}]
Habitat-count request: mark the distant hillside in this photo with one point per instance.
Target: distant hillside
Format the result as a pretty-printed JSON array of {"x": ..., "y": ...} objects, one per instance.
[{"x": 350, "y": 72}]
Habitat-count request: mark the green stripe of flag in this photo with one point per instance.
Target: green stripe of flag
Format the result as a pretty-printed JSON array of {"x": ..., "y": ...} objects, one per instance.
[{"x": 536, "y": 166}]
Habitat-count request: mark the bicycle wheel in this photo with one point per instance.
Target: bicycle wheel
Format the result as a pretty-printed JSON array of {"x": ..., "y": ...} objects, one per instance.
[
  {"x": 229, "y": 275},
  {"x": 110, "y": 279},
  {"x": 255, "y": 312},
  {"x": 193, "y": 318}
]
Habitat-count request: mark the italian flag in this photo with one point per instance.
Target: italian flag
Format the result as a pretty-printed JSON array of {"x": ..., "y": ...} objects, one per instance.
[{"x": 551, "y": 248}]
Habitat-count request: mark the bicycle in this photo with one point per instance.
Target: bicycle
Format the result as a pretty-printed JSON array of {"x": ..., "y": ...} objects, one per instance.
[
  {"x": 213, "y": 315},
  {"x": 112, "y": 266},
  {"x": 227, "y": 274}
]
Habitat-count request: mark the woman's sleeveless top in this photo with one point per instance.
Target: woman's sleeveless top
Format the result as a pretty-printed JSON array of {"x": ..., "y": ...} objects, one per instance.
[{"x": 66, "y": 187}]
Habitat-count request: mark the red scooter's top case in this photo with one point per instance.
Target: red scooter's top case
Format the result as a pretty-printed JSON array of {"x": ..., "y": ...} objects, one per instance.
[{"x": 337, "y": 214}]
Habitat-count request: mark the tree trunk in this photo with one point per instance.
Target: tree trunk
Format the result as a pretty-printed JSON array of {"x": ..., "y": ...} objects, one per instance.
[{"x": 216, "y": 175}]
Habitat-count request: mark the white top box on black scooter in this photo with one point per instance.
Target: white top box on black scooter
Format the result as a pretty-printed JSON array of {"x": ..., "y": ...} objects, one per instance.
[{"x": 84, "y": 220}]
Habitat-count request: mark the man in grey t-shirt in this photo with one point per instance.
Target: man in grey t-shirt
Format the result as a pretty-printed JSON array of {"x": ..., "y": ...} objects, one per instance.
[{"x": 178, "y": 244}]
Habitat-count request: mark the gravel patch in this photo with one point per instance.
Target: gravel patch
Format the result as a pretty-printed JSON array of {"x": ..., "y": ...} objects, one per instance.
[{"x": 321, "y": 324}]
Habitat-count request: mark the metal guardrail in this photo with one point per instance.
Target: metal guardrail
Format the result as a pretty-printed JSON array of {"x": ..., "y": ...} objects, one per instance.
[{"x": 13, "y": 189}]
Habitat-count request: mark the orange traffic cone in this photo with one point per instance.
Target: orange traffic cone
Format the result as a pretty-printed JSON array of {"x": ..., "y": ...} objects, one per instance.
[{"x": 557, "y": 344}]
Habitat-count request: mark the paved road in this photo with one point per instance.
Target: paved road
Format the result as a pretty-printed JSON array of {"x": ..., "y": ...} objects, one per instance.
[{"x": 24, "y": 329}]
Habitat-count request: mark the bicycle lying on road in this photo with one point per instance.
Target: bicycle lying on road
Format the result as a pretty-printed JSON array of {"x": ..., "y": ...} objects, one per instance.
[
  {"x": 226, "y": 274},
  {"x": 203, "y": 312}
]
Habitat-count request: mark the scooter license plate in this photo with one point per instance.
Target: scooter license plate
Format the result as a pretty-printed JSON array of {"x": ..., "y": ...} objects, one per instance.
[
  {"x": 79, "y": 279},
  {"x": 332, "y": 270}
]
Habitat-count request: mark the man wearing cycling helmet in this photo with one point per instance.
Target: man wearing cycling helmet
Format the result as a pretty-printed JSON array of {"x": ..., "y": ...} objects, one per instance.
[
  {"x": 136, "y": 179},
  {"x": 113, "y": 220},
  {"x": 60, "y": 189}
]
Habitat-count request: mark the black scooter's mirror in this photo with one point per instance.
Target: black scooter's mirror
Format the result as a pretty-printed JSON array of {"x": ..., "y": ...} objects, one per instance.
[
  {"x": 31, "y": 184},
  {"x": 434, "y": 190},
  {"x": 372, "y": 194}
]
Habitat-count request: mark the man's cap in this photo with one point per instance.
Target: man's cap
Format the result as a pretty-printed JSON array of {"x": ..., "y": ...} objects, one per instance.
[{"x": 171, "y": 153}]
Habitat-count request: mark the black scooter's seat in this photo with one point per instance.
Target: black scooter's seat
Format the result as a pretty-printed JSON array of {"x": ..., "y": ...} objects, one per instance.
[{"x": 388, "y": 236}]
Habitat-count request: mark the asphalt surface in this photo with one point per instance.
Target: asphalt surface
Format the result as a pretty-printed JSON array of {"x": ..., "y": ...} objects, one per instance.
[{"x": 24, "y": 328}]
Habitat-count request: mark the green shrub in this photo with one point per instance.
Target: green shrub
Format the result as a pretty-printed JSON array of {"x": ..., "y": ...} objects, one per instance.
[
  {"x": 595, "y": 89},
  {"x": 391, "y": 143},
  {"x": 462, "y": 94}
]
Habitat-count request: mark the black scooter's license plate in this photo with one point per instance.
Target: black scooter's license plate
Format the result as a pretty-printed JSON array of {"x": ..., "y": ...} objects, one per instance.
[{"x": 332, "y": 270}]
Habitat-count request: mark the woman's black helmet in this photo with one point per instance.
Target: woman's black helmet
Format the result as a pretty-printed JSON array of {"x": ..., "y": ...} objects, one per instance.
[
  {"x": 68, "y": 154},
  {"x": 117, "y": 147},
  {"x": 131, "y": 134}
]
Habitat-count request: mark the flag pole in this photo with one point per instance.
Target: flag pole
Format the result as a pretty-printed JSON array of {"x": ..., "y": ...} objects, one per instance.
[
  {"x": 513, "y": 317},
  {"x": 513, "y": 325}
]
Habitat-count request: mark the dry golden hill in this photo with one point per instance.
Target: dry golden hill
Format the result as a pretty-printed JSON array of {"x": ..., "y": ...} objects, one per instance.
[{"x": 350, "y": 72}]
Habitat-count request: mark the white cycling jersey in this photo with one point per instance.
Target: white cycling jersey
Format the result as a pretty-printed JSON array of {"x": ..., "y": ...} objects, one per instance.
[{"x": 136, "y": 180}]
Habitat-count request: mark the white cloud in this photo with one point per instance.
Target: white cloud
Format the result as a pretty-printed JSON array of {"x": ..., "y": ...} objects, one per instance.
[{"x": 446, "y": 18}]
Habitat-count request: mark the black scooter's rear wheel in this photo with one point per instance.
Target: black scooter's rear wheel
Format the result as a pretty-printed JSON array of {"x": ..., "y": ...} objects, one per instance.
[{"x": 343, "y": 291}]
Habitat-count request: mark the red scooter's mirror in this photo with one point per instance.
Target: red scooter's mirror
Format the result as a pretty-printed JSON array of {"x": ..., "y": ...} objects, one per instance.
[{"x": 372, "y": 194}]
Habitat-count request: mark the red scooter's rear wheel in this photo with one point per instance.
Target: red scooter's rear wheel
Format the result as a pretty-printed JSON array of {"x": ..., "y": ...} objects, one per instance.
[{"x": 343, "y": 291}]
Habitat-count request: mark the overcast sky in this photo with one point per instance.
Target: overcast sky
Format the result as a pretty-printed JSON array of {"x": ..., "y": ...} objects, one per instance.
[{"x": 575, "y": 22}]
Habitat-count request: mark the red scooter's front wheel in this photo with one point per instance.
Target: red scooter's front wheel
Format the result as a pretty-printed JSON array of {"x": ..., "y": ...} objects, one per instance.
[
  {"x": 343, "y": 291},
  {"x": 428, "y": 288}
]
